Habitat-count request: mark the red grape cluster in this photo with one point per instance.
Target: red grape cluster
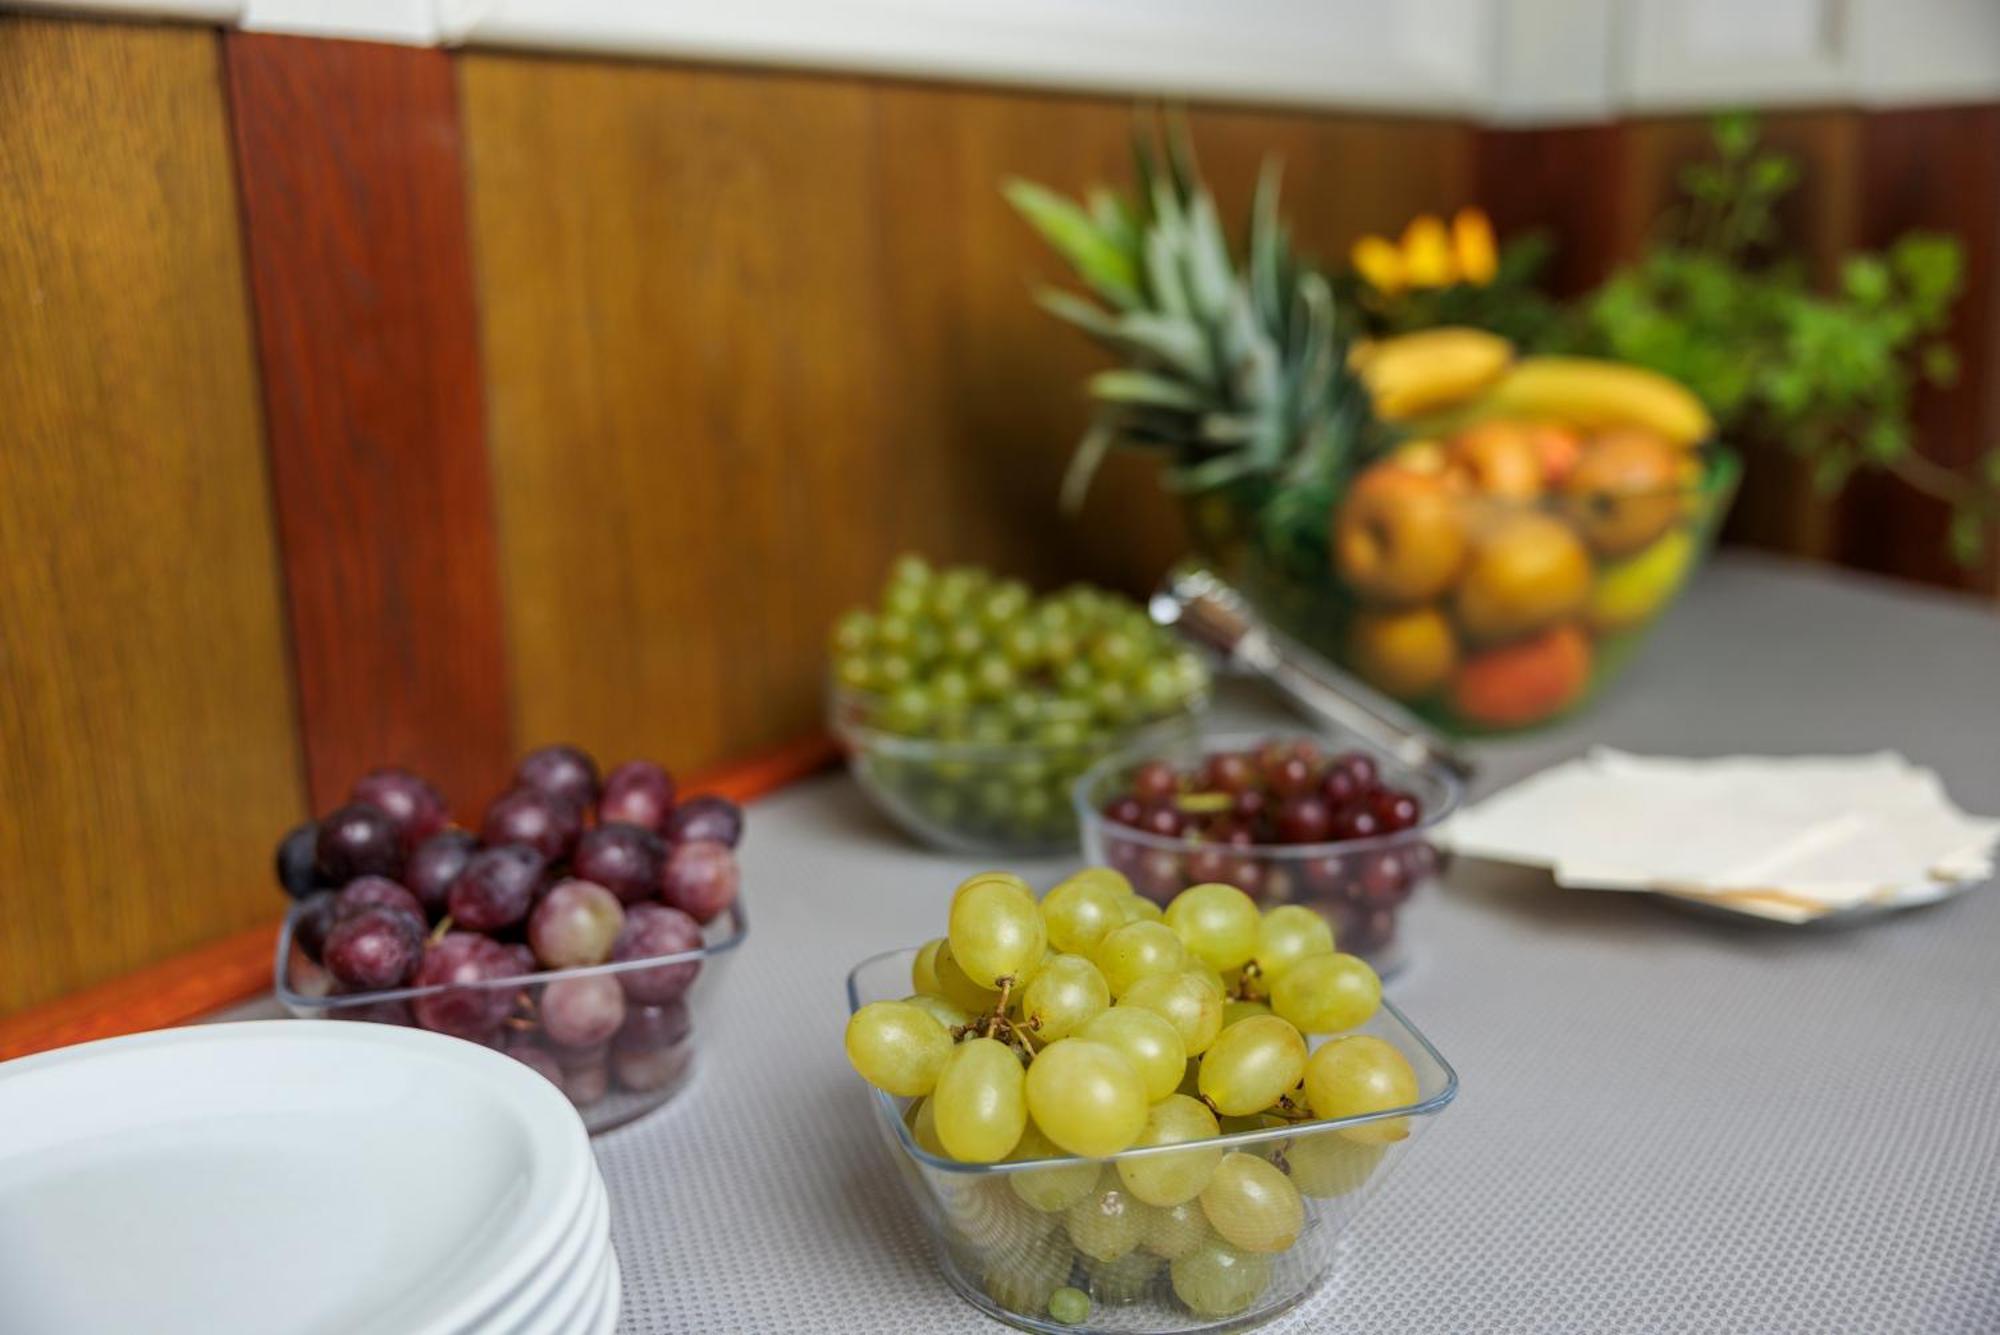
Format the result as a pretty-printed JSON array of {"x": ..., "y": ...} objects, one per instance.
[
  {"x": 566, "y": 871},
  {"x": 1236, "y": 817}
]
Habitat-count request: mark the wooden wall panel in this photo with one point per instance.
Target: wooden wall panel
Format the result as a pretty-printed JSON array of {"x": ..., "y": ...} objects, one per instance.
[
  {"x": 359, "y": 264},
  {"x": 145, "y": 718},
  {"x": 748, "y": 334},
  {"x": 1601, "y": 192},
  {"x": 1936, "y": 169}
]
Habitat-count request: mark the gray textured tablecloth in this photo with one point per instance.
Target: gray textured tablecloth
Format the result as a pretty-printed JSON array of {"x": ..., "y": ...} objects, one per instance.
[{"x": 1666, "y": 1122}]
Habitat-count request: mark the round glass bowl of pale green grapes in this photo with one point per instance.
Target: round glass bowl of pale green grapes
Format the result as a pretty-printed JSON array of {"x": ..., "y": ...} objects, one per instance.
[
  {"x": 1115, "y": 1118},
  {"x": 968, "y": 706}
]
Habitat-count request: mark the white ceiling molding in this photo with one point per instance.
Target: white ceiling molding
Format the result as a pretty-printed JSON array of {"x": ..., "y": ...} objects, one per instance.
[
  {"x": 412, "y": 22},
  {"x": 1420, "y": 56},
  {"x": 1933, "y": 51},
  {"x": 1502, "y": 62},
  {"x": 1551, "y": 63}
]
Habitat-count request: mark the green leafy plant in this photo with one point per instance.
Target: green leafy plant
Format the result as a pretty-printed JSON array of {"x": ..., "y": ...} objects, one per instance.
[
  {"x": 1829, "y": 374},
  {"x": 1235, "y": 372}
]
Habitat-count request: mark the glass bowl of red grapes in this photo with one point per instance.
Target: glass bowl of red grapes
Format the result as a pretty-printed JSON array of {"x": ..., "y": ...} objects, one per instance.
[
  {"x": 1330, "y": 824},
  {"x": 577, "y": 928}
]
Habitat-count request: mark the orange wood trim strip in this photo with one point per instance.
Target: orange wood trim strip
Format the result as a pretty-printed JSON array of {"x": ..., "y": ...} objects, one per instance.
[
  {"x": 238, "y": 967},
  {"x": 170, "y": 992}
]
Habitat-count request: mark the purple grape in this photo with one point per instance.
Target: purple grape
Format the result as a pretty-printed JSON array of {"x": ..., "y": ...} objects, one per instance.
[
  {"x": 1156, "y": 874},
  {"x": 645, "y": 1072},
  {"x": 435, "y": 864},
  {"x": 638, "y": 793},
  {"x": 415, "y": 808},
  {"x": 652, "y": 1028},
  {"x": 374, "y": 949},
  {"x": 624, "y": 859},
  {"x": 582, "y": 1012},
  {"x": 298, "y": 858},
  {"x": 367, "y": 892},
  {"x": 523, "y": 959},
  {"x": 699, "y": 879},
  {"x": 561, "y": 772},
  {"x": 546, "y": 824},
  {"x": 1208, "y": 863},
  {"x": 357, "y": 840},
  {"x": 572, "y": 1059},
  {"x": 375, "y": 1012},
  {"x": 707, "y": 817},
  {"x": 1384, "y": 883},
  {"x": 496, "y": 888},
  {"x": 533, "y": 1055},
  {"x": 459, "y": 962},
  {"x": 574, "y": 924},
  {"x": 1360, "y": 767},
  {"x": 587, "y": 1083},
  {"x": 313, "y": 919},
  {"x": 653, "y": 930}
]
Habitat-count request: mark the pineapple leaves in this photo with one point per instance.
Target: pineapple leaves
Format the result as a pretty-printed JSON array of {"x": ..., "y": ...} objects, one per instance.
[
  {"x": 1233, "y": 372},
  {"x": 1078, "y": 239},
  {"x": 1141, "y": 389},
  {"x": 1084, "y": 463},
  {"x": 1268, "y": 245}
]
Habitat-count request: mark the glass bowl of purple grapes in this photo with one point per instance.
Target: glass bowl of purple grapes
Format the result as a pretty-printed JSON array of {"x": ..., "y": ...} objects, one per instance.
[
  {"x": 578, "y": 929},
  {"x": 1332, "y": 824}
]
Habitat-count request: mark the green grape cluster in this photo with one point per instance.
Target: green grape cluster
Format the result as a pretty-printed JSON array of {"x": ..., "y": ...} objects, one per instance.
[
  {"x": 1023, "y": 692},
  {"x": 1062, "y": 1032}
]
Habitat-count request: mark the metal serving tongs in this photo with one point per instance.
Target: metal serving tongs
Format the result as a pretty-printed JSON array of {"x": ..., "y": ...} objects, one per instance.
[{"x": 1207, "y": 610}]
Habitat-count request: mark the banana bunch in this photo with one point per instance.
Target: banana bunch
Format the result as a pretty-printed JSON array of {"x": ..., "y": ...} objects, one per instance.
[
  {"x": 1416, "y": 375},
  {"x": 1593, "y": 395},
  {"x": 1472, "y": 375}
]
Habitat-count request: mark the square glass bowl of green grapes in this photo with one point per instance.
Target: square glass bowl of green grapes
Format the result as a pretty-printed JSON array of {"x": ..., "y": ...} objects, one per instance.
[
  {"x": 967, "y": 706},
  {"x": 1113, "y": 1117}
]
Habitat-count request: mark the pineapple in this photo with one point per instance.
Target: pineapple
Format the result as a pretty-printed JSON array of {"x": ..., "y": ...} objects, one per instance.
[{"x": 1235, "y": 375}]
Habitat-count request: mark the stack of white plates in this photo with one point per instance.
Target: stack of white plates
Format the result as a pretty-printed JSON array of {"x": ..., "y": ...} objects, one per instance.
[{"x": 337, "y": 1179}]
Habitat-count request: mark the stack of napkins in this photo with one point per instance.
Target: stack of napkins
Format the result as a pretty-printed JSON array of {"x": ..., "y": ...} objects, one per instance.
[{"x": 1790, "y": 838}]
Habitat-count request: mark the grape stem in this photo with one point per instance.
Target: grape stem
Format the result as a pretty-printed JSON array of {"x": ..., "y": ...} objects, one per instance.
[
  {"x": 1245, "y": 983},
  {"x": 995, "y": 1024},
  {"x": 438, "y": 932},
  {"x": 1289, "y": 1110}
]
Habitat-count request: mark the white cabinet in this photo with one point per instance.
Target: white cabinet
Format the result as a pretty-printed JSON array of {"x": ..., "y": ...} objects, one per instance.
[{"x": 1510, "y": 62}]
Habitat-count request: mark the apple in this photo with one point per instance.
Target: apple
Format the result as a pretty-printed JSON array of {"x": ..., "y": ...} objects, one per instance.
[
  {"x": 1627, "y": 488},
  {"x": 1405, "y": 653},
  {"x": 1500, "y": 459},
  {"x": 1528, "y": 570},
  {"x": 1399, "y": 534},
  {"x": 1558, "y": 448},
  {"x": 1524, "y": 682},
  {"x": 1629, "y": 593}
]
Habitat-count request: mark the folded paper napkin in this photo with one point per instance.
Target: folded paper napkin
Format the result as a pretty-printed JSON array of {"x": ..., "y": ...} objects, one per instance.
[{"x": 1792, "y": 838}]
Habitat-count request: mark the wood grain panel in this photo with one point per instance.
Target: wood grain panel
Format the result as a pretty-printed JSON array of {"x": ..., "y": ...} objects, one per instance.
[
  {"x": 360, "y": 267},
  {"x": 747, "y": 334},
  {"x": 1602, "y": 192},
  {"x": 148, "y": 754},
  {"x": 1937, "y": 169}
]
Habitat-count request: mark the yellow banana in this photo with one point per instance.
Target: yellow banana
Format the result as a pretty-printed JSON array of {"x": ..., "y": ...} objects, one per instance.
[
  {"x": 1415, "y": 374},
  {"x": 1590, "y": 394}
]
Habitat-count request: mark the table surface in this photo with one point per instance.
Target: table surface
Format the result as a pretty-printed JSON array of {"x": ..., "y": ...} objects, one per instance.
[{"x": 1665, "y": 1121}]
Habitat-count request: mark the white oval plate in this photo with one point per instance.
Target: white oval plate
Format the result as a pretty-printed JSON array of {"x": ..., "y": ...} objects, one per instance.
[
  {"x": 284, "y": 1177},
  {"x": 568, "y": 1284}
]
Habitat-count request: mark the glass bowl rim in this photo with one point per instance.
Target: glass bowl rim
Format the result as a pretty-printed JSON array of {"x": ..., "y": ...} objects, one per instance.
[
  {"x": 739, "y": 928},
  {"x": 900, "y": 746},
  {"x": 1428, "y": 824},
  {"x": 885, "y": 1105}
]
